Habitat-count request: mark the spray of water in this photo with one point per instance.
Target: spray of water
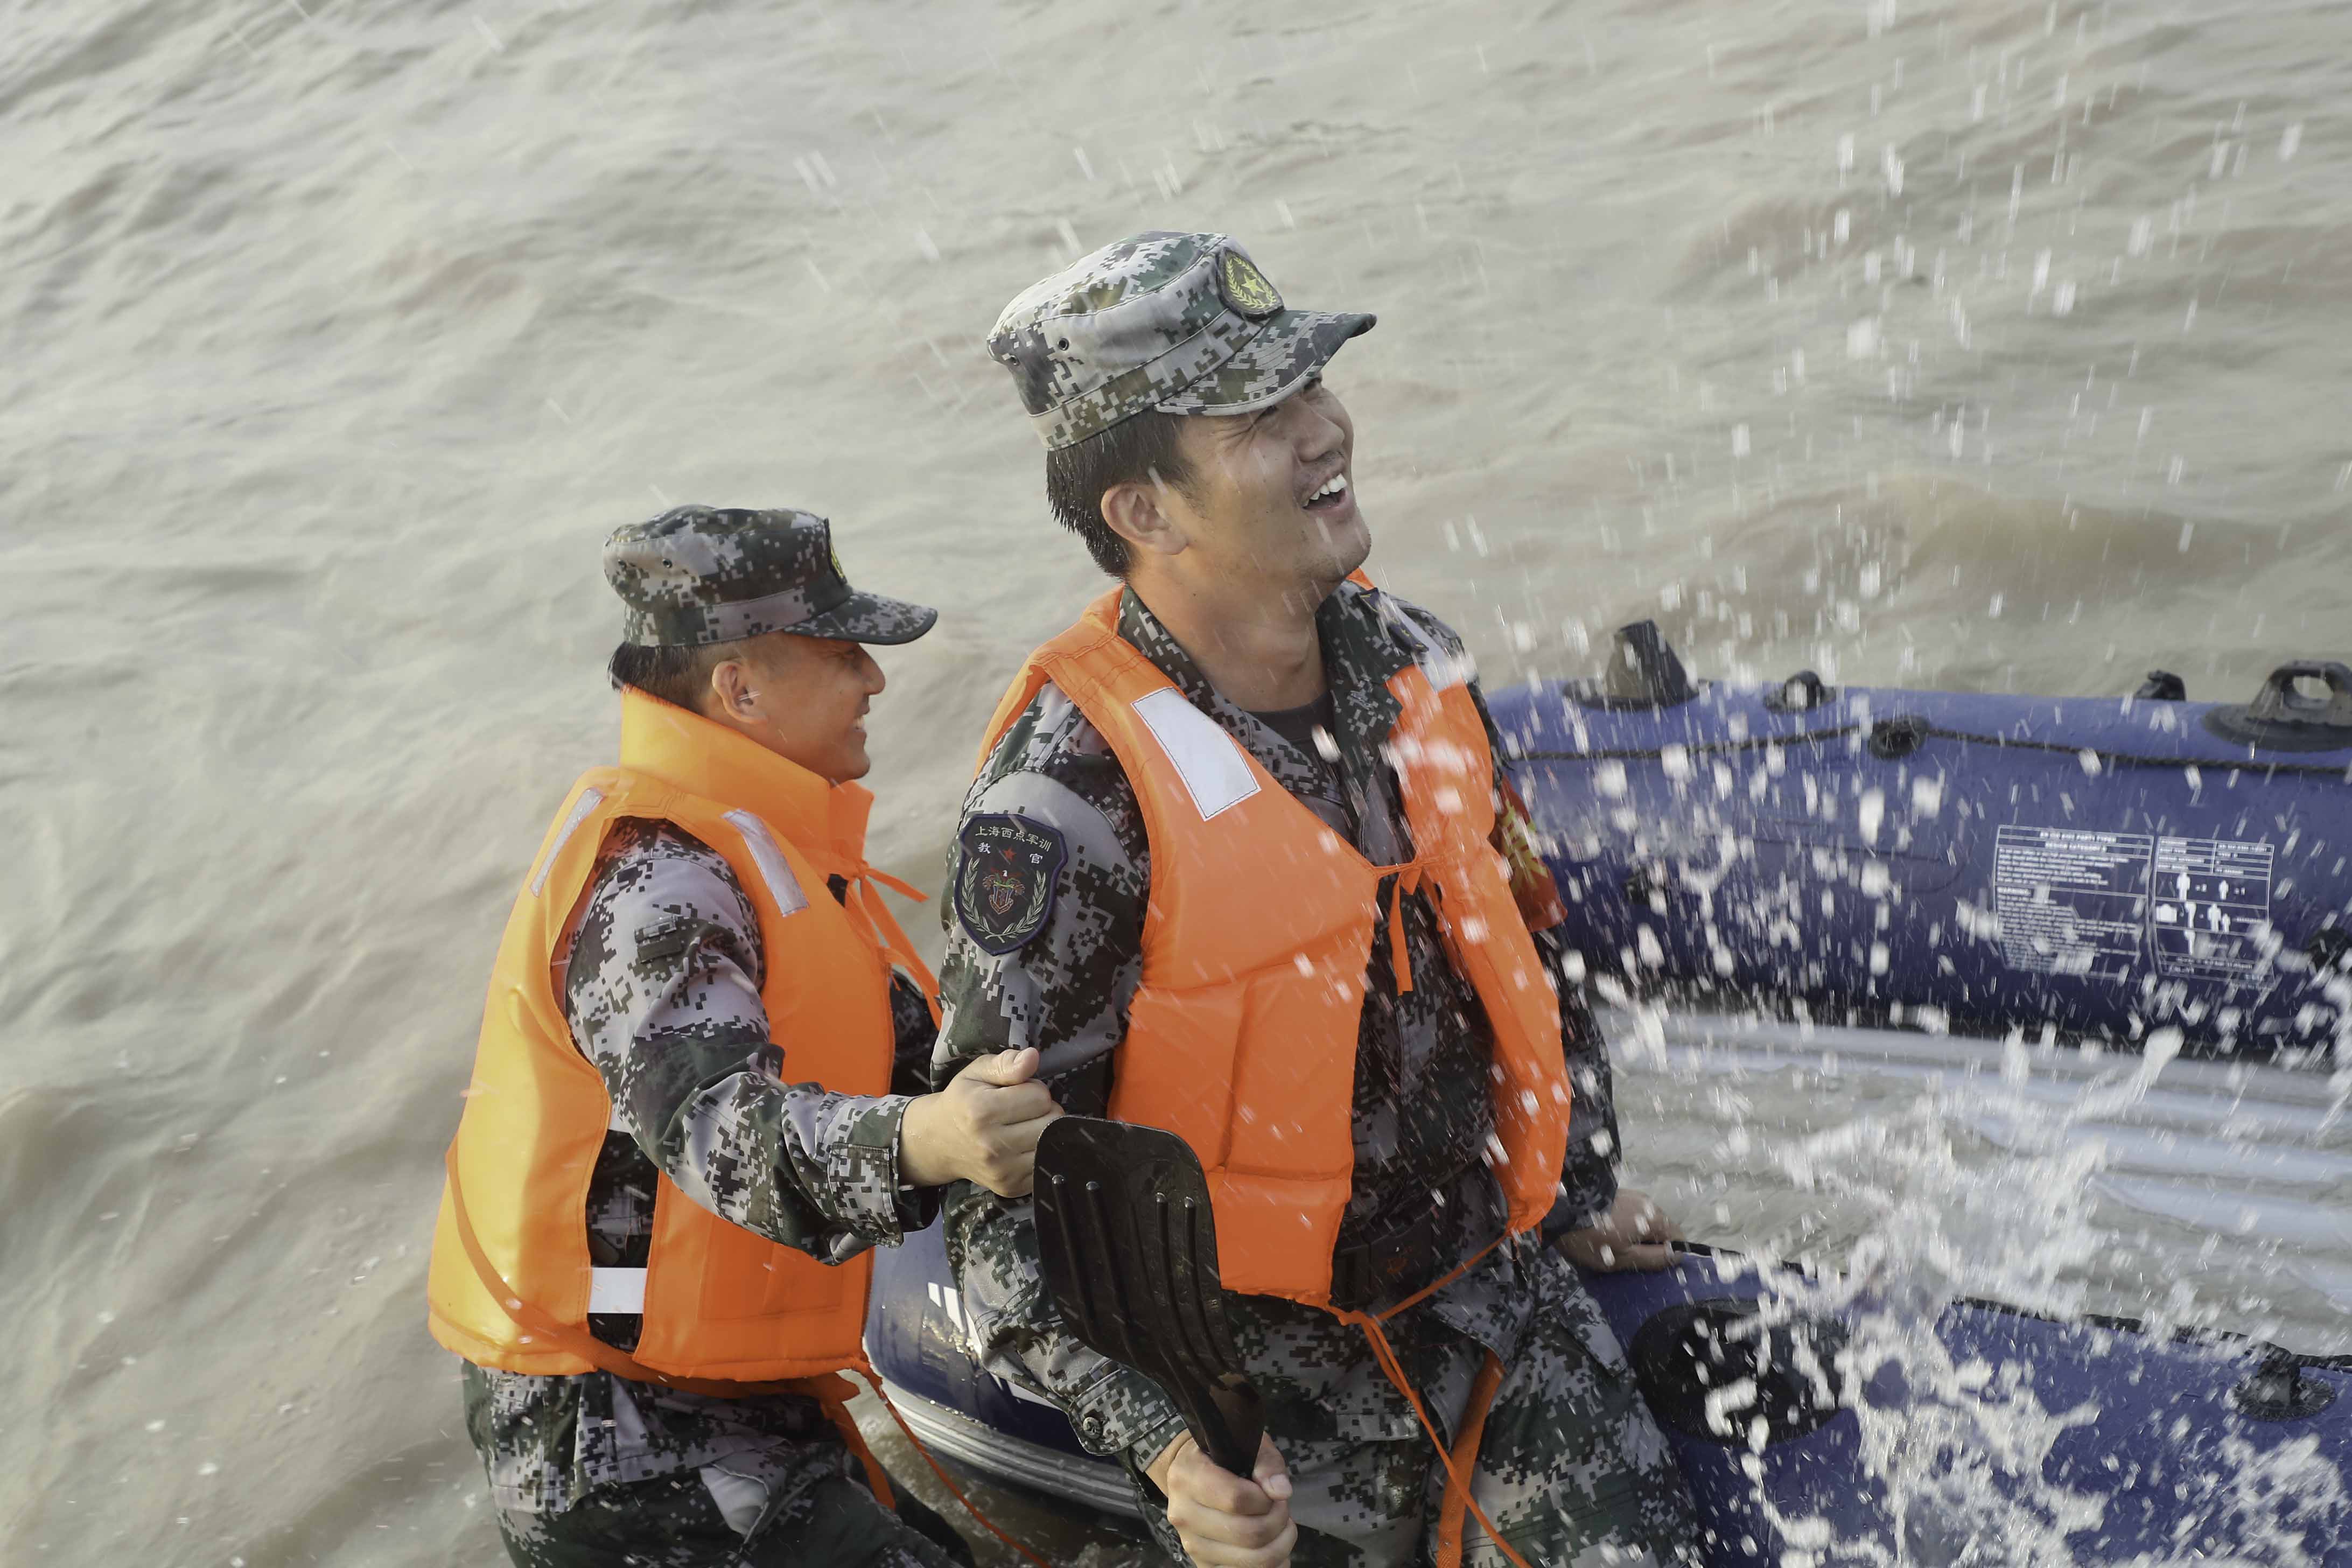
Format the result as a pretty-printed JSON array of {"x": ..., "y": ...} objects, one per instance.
[{"x": 1956, "y": 1449}]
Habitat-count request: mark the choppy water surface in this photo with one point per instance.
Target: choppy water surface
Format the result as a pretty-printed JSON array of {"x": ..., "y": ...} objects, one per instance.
[{"x": 1965, "y": 344}]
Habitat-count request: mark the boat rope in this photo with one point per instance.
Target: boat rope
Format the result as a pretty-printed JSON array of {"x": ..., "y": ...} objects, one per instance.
[{"x": 1893, "y": 738}]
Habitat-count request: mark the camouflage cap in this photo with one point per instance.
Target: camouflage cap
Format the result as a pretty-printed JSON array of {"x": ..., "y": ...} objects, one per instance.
[
  {"x": 703, "y": 574},
  {"x": 1182, "y": 322}
]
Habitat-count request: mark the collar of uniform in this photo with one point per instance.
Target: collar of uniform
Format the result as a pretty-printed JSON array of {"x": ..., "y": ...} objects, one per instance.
[
  {"x": 1362, "y": 654},
  {"x": 825, "y": 820},
  {"x": 1298, "y": 773}
]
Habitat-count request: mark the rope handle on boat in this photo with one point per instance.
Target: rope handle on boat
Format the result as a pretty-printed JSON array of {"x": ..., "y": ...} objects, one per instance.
[{"x": 1898, "y": 736}]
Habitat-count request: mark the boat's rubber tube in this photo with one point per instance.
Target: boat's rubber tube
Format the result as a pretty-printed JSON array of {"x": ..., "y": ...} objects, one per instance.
[
  {"x": 2087, "y": 1442},
  {"x": 920, "y": 1343},
  {"x": 2102, "y": 867},
  {"x": 1806, "y": 1440}
]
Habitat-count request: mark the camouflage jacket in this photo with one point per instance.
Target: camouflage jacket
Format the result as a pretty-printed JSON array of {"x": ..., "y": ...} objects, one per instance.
[
  {"x": 1420, "y": 1111},
  {"x": 662, "y": 991}
]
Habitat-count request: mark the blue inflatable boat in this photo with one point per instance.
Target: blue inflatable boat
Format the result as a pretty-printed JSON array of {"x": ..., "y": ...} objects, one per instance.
[
  {"x": 2096, "y": 867},
  {"x": 1833, "y": 1436},
  {"x": 1912, "y": 866}
]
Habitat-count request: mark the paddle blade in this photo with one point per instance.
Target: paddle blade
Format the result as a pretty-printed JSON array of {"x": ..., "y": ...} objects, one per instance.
[{"x": 1129, "y": 1242}]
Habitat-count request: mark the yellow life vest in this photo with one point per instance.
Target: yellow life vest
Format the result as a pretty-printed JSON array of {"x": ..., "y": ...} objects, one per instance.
[{"x": 512, "y": 1283}]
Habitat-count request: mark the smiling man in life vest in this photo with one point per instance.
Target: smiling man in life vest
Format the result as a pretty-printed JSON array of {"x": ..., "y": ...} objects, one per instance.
[
  {"x": 683, "y": 1136},
  {"x": 1257, "y": 901}
]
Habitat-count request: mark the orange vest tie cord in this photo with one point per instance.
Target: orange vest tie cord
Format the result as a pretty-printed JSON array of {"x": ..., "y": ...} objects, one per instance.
[
  {"x": 1465, "y": 1462},
  {"x": 1242, "y": 1033}
]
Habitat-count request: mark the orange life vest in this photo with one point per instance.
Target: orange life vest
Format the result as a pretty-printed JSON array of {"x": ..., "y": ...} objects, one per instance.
[
  {"x": 1242, "y": 1035},
  {"x": 512, "y": 1283}
]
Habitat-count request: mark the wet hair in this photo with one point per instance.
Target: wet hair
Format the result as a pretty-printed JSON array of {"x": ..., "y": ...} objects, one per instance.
[
  {"x": 1136, "y": 450},
  {"x": 678, "y": 676}
]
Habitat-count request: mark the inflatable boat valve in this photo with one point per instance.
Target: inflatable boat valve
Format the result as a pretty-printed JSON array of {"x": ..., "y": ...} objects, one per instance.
[{"x": 2277, "y": 1391}]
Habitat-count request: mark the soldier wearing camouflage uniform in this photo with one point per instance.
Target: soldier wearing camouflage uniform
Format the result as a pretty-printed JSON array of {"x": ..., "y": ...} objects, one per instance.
[
  {"x": 743, "y": 621},
  {"x": 1570, "y": 1466}
]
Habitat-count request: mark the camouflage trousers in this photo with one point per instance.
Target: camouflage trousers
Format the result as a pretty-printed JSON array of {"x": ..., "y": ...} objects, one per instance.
[
  {"x": 1571, "y": 1467},
  {"x": 804, "y": 1504}
]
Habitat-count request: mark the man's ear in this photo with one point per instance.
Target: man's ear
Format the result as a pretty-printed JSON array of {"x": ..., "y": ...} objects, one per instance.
[
  {"x": 734, "y": 694},
  {"x": 1138, "y": 511}
]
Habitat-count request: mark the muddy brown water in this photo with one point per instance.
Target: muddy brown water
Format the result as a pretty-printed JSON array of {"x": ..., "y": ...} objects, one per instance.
[{"x": 1973, "y": 345}]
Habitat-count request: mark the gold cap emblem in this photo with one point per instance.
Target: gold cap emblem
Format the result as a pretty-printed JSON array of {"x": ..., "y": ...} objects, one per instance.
[{"x": 1244, "y": 287}]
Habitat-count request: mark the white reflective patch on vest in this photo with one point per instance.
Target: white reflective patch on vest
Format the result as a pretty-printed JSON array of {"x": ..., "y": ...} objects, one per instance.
[
  {"x": 616, "y": 1291},
  {"x": 774, "y": 869},
  {"x": 590, "y": 799},
  {"x": 1215, "y": 771}
]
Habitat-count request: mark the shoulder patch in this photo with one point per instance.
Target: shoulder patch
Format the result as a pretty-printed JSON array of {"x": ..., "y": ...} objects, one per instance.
[{"x": 1008, "y": 869}]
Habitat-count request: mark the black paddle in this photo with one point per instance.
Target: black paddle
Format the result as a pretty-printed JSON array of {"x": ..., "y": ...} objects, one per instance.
[{"x": 1129, "y": 1247}]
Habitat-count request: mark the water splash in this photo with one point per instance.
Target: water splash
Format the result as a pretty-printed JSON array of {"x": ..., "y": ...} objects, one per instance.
[{"x": 1963, "y": 1452}]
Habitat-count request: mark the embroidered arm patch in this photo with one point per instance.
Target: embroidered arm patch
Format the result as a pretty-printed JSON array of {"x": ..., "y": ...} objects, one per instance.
[{"x": 1007, "y": 868}]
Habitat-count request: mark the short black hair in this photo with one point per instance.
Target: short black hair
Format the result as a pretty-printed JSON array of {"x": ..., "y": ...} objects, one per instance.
[
  {"x": 678, "y": 676},
  {"x": 1137, "y": 450}
]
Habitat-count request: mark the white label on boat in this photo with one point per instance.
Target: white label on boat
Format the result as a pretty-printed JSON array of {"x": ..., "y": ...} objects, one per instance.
[
  {"x": 2071, "y": 900},
  {"x": 2210, "y": 905},
  {"x": 2077, "y": 900}
]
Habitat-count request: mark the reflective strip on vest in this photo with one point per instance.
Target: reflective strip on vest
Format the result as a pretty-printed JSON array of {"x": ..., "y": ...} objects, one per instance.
[
  {"x": 616, "y": 1291},
  {"x": 783, "y": 885},
  {"x": 590, "y": 799},
  {"x": 1216, "y": 774}
]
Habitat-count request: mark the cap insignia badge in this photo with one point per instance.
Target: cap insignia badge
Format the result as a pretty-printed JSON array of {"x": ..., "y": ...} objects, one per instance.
[{"x": 1245, "y": 288}]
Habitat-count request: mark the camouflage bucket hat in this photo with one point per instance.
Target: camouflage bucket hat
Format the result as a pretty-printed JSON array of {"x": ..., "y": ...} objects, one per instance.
[
  {"x": 1181, "y": 322},
  {"x": 701, "y": 574}
]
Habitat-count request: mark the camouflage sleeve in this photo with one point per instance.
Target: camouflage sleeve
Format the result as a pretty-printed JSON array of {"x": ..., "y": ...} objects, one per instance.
[
  {"x": 912, "y": 1035},
  {"x": 1048, "y": 963},
  {"x": 1060, "y": 981},
  {"x": 662, "y": 993}
]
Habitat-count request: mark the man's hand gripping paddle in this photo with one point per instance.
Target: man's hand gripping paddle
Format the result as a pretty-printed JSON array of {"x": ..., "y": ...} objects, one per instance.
[{"x": 1129, "y": 1248}]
